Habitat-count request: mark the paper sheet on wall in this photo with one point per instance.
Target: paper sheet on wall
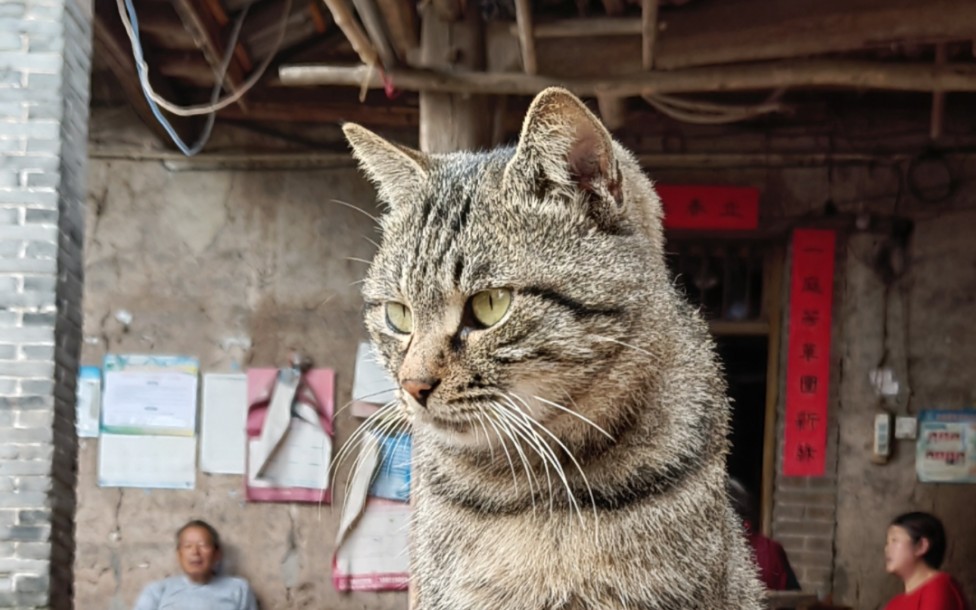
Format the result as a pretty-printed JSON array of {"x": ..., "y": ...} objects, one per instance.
[
  {"x": 375, "y": 554},
  {"x": 372, "y": 385},
  {"x": 138, "y": 460},
  {"x": 89, "y": 402},
  {"x": 150, "y": 395},
  {"x": 303, "y": 461},
  {"x": 223, "y": 419}
]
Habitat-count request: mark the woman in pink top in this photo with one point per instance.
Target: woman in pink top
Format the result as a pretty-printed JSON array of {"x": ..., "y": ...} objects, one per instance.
[{"x": 914, "y": 552}]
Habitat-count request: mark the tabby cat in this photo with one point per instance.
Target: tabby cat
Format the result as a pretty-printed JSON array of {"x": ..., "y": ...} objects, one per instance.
[{"x": 568, "y": 411}]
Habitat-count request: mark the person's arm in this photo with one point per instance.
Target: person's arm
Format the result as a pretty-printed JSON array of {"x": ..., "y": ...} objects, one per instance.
[{"x": 149, "y": 598}]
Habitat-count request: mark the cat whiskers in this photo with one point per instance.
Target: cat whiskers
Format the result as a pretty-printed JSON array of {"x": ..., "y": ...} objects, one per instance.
[
  {"x": 516, "y": 436},
  {"x": 572, "y": 457},
  {"x": 501, "y": 439},
  {"x": 359, "y": 398},
  {"x": 655, "y": 357},
  {"x": 360, "y": 210},
  {"x": 537, "y": 444},
  {"x": 579, "y": 416},
  {"x": 386, "y": 418}
]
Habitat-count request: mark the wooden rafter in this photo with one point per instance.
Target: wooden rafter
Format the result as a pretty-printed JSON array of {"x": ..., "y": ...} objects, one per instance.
[
  {"x": 206, "y": 31},
  {"x": 648, "y": 32},
  {"x": 371, "y": 19},
  {"x": 401, "y": 24},
  {"x": 759, "y": 76},
  {"x": 523, "y": 21},
  {"x": 720, "y": 33}
]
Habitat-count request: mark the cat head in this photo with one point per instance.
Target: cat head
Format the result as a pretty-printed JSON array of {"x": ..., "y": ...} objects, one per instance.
[{"x": 509, "y": 283}]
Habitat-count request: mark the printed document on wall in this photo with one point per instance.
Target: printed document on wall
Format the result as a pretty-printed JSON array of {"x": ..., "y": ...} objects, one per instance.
[
  {"x": 150, "y": 395},
  {"x": 223, "y": 420},
  {"x": 138, "y": 460}
]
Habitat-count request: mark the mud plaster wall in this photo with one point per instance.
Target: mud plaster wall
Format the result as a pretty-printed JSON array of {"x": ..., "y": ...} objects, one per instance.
[
  {"x": 207, "y": 264},
  {"x": 926, "y": 320}
]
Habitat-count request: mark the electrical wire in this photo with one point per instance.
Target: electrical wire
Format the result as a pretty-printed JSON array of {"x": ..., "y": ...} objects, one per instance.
[
  {"x": 709, "y": 113},
  {"x": 143, "y": 70},
  {"x": 131, "y": 28}
]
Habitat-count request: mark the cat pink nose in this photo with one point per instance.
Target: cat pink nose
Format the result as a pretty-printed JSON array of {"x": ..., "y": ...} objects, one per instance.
[{"x": 420, "y": 389}]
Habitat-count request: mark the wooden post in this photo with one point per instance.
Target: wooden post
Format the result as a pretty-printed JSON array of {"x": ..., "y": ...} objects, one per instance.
[{"x": 453, "y": 121}]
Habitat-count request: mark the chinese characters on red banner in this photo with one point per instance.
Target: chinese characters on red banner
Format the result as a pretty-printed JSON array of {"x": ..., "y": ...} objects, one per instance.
[
  {"x": 730, "y": 208},
  {"x": 808, "y": 357}
]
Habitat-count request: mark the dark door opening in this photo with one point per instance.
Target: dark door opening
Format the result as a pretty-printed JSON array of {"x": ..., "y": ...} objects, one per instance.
[{"x": 745, "y": 360}]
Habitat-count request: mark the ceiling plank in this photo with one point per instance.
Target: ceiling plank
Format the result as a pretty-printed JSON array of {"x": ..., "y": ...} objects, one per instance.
[
  {"x": 749, "y": 77},
  {"x": 755, "y": 30},
  {"x": 331, "y": 112}
]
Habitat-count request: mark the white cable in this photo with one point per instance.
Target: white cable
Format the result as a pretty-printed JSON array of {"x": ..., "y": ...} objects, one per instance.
[{"x": 201, "y": 109}]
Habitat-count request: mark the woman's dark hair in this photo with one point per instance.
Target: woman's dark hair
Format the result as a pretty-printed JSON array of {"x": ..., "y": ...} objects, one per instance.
[
  {"x": 923, "y": 525},
  {"x": 214, "y": 536},
  {"x": 743, "y": 502}
]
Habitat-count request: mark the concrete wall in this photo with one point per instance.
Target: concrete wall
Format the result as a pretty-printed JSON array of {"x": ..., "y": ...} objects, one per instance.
[
  {"x": 205, "y": 262},
  {"x": 45, "y": 49}
]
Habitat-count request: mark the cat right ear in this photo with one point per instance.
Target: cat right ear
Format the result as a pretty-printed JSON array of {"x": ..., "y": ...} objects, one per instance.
[
  {"x": 565, "y": 146},
  {"x": 397, "y": 171}
]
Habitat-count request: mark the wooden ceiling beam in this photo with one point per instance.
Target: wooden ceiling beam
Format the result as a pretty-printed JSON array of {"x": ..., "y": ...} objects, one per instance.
[
  {"x": 724, "y": 33},
  {"x": 750, "y": 77},
  {"x": 523, "y": 23},
  {"x": 402, "y": 26},
  {"x": 331, "y": 112},
  {"x": 206, "y": 32}
]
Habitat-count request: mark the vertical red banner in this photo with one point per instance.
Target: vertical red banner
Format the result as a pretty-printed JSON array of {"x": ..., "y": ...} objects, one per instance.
[{"x": 808, "y": 355}]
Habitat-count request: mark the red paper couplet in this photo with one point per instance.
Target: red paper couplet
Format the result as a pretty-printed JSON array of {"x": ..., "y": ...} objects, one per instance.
[
  {"x": 725, "y": 208},
  {"x": 808, "y": 356}
]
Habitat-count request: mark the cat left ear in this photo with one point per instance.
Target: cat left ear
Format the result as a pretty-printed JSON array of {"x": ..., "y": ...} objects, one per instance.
[
  {"x": 396, "y": 171},
  {"x": 564, "y": 145}
]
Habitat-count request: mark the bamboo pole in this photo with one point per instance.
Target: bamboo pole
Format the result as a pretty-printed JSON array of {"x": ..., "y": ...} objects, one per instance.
[
  {"x": 757, "y": 76},
  {"x": 354, "y": 34},
  {"x": 648, "y": 32},
  {"x": 523, "y": 22}
]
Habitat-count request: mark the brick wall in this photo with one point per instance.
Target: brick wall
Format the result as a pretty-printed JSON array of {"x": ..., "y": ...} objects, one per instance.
[
  {"x": 805, "y": 508},
  {"x": 45, "y": 50}
]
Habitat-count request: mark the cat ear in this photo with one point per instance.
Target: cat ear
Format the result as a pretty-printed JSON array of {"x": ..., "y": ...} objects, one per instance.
[
  {"x": 563, "y": 144},
  {"x": 396, "y": 171}
]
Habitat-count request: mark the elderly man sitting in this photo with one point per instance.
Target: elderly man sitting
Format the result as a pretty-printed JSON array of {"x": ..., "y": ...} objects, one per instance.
[{"x": 199, "y": 587}]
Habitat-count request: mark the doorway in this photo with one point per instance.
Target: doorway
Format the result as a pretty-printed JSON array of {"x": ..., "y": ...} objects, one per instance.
[{"x": 736, "y": 284}]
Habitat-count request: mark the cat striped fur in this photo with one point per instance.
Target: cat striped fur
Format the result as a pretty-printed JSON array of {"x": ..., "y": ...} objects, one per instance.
[{"x": 569, "y": 413}]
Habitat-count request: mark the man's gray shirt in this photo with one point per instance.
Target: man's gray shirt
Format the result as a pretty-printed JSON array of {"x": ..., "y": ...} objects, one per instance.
[{"x": 181, "y": 593}]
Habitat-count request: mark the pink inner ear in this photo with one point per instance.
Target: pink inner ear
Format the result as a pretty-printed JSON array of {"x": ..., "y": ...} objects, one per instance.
[{"x": 588, "y": 159}]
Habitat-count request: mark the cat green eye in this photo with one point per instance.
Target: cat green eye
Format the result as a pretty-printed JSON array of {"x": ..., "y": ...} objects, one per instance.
[
  {"x": 489, "y": 306},
  {"x": 399, "y": 318}
]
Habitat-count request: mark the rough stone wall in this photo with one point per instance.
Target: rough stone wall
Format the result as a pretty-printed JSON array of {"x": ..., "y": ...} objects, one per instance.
[
  {"x": 207, "y": 263},
  {"x": 45, "y": 50}
]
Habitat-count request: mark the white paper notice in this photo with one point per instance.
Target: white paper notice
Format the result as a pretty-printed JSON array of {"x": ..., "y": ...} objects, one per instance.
[
  {"x": 89, "y": 401},
  {"x": 301, "y": 460},
  {"x": 375, "y": 554},
  {"x": 139, "y": 401},
  {"x": 223, "y": 420},
  {"x": 371, "y": 385},
  {"x": 147, "y": 461}
]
